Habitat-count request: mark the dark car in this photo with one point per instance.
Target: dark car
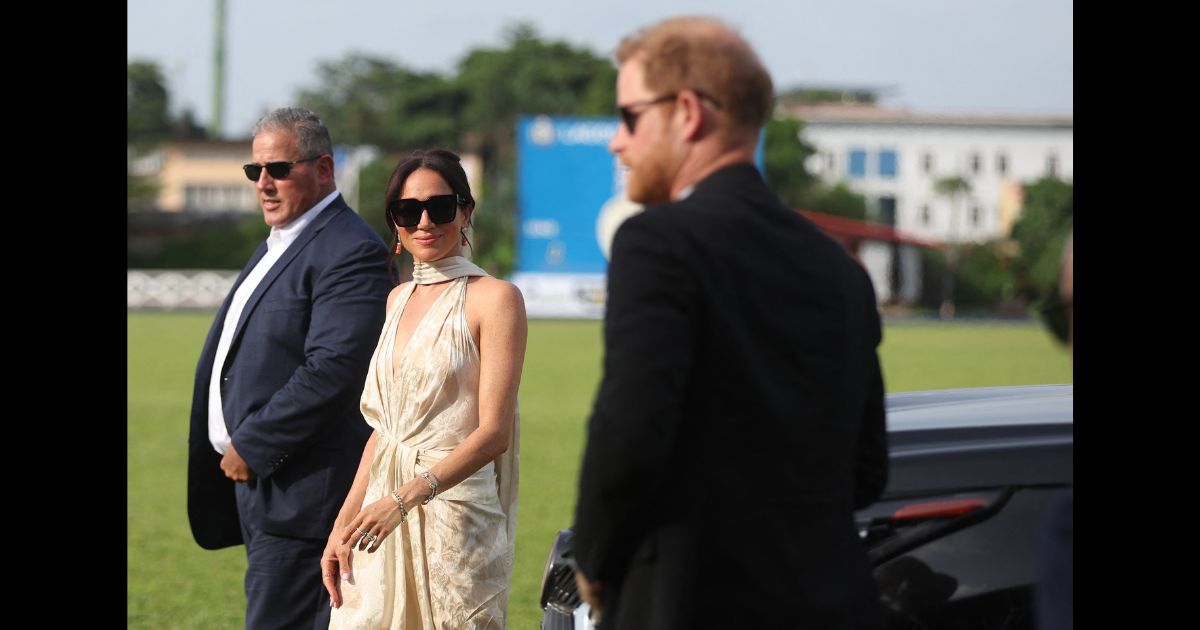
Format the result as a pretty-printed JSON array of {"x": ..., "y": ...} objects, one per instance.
[{"x": 954, "y": 538}]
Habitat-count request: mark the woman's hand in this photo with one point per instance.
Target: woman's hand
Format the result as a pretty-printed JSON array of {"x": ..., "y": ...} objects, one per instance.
[
  {"x": 372, "y": 525},
  {"x": 335, "y": 560}
]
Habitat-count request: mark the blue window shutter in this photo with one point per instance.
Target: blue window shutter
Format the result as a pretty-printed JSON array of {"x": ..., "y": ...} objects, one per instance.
[
  {"x": 858, "y": 163},
  {"x": 887, "y": 163}
]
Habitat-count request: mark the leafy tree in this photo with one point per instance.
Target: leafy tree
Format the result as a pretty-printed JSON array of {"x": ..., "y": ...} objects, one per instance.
[
  {"x": 1046, "y": 218},
  {"x": 528, "y": 76},
  {"x": 985, "y": 279},
  {"x": 817, "y": 95},
  {"x": 784, "y": 161},
  {"x": 146, "y": 106},
  {"x": 147, "y": 122},
  {"x": 369, "y": 100},
  {"x": 531, "y": 76},
  {"x": 140, "y": 191},
  {"x": 837, "y": 199},
  {"x": 955, "y": 188},
  {"x": 372, "y": 184},
  {"x": 185, "y": 127},
  {"x": 147, "y": 109},
  {"x": 210, "y": 242}
]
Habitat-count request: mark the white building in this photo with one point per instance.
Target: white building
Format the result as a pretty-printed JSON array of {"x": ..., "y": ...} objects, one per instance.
[
  {"x": 894, "y": 157},
  {"x": 205, "y": 176}
]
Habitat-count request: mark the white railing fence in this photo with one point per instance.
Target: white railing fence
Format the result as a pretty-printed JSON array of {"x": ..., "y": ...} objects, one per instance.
[{"x": 168, "y": 289}]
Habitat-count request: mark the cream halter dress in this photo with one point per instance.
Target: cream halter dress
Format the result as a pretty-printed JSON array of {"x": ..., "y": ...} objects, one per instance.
[{"x": 449, "y": 565}]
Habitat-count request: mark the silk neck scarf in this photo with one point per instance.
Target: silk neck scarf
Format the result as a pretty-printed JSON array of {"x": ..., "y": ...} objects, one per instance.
[{"x": 449, "y": 268}]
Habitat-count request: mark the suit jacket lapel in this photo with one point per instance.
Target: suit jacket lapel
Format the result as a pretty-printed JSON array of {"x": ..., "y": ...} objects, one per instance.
[
  {"x": 254, "y": 258},
  {"x": 336, "y": 207},
  {"x": 209, "y": 352}
]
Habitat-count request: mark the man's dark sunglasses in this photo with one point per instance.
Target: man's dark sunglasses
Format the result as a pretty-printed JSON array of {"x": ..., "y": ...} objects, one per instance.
[
  {"x": 630, "y": 118},
  {"x": 407, "y": 212},
  {"x": 277, "y": 170}
]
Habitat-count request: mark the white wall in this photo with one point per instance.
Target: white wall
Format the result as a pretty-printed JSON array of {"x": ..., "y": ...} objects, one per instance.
[
  {"x": 1027, "y": 149},
  {"x": 876, "y": 256}
]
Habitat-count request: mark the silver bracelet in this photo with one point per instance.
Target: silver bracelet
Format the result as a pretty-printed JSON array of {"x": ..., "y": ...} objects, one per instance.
[
  {"x": 397, "y": 499},
  {"x": 433, "y": 486}
]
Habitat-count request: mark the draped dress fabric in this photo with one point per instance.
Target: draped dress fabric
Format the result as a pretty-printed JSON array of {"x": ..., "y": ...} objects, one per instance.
[{"x": 449, "y": 565}]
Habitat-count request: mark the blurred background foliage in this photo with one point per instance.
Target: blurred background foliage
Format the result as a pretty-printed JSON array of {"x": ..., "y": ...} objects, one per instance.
[{"x": 369, "y": 100}]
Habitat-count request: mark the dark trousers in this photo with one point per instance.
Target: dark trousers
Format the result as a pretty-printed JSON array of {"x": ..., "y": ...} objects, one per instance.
[
  {"x": 1055, "y": 603},
  {"x": 283, "y": 578}
]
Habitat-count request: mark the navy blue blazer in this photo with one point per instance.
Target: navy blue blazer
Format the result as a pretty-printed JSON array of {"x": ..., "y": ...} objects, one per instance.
[{"x": 291, "y": 384}]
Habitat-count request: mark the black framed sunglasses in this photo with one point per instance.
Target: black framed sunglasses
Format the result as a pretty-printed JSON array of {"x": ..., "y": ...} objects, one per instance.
[
  {"x": 407, "y": 212},
  {"x": 277, "y": 170},
  {"x": 630, "y": 117}
]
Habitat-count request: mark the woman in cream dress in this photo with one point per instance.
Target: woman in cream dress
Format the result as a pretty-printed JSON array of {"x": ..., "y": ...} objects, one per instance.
[{"x": 425, "y": 536}]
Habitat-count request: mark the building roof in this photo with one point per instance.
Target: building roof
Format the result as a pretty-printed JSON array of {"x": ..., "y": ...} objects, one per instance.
[
  {"x": 859, "y": 113},
  {"x": 853, "y": 231}
]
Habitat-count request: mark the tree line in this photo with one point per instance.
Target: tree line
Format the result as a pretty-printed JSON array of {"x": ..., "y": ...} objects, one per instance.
[{"x": 371, "y": 100}]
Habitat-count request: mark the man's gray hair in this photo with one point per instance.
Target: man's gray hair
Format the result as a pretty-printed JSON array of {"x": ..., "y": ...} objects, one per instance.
[{"x": 312, "y": 137}]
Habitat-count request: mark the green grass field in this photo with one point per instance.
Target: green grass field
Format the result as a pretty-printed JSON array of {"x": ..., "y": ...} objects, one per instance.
[{"x": 172, "y": 583}]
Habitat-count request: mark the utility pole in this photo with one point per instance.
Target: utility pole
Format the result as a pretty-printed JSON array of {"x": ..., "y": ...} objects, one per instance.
[{"x": 214, "y": 127}]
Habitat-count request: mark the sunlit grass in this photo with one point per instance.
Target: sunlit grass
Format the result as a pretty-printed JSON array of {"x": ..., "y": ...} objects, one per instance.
[{"x": 173, "y": 583}]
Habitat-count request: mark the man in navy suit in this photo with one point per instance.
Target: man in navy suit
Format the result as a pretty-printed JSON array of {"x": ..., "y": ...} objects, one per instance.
[{"x": 276, "y": 433}]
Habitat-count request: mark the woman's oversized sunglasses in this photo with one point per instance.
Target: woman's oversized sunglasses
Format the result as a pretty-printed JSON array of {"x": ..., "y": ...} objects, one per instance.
[{"x": 407, "y": 212}]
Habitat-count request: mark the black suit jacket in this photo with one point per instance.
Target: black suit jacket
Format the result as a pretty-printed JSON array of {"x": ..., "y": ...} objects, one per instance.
[
  {"x": 291, "y": 384},
  {"x": 739, "y": 422}
]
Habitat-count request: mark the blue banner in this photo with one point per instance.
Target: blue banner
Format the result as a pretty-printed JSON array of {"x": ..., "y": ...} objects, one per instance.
[{"x": 570, "y": 201}]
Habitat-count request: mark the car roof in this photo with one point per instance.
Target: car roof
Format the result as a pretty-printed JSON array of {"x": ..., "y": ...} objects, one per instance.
[
  {"x": 980, "y": 407},
  {"x": 983, "y": 437}
]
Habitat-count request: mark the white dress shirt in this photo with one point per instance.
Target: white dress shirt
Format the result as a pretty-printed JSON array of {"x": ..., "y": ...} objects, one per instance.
[{"x": 277, "y": 243}]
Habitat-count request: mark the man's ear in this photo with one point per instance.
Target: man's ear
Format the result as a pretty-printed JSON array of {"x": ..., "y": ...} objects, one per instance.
[
  {"x": 325, "y": 168},
  {"x": 693, "y": 112}
]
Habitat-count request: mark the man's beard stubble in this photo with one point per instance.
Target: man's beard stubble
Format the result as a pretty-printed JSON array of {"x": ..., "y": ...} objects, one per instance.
[{"x": 649, "y": 182}]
